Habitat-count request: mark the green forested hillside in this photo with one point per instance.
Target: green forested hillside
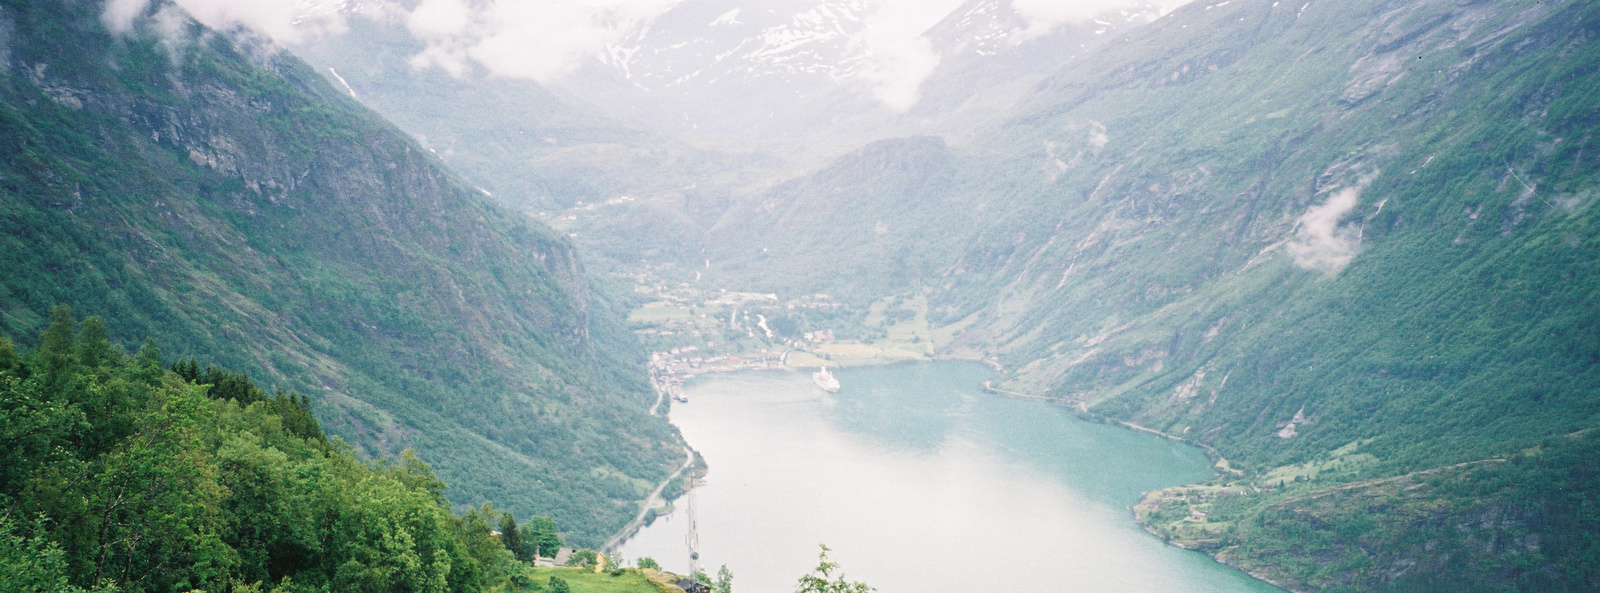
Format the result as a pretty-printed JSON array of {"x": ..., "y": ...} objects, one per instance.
[
  {"x": 1522, "y": 522},
  {"x": 1335, "y": 241},
  {"x": 117, "y": 474},
  {"x": 217, "y": 195}
]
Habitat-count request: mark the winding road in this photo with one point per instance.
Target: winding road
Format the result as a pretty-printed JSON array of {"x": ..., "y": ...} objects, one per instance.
[{"x": 650, "y": 502}]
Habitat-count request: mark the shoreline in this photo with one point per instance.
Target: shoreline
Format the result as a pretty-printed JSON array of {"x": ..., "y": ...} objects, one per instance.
[
  {"x": 650, "y": 501},
  {"x": 1220, "y": 467},
  {"x": 1080, "y": 408},
  {"x": 1253, "y": 574}
]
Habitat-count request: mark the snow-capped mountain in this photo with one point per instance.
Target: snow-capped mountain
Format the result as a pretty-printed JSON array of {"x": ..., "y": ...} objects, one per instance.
[
  {"x": 724, "y": 41},
  {"x": 983, "y": 28},
  {"x": 991, "y": 56},
  {"x": 825, "y": 75},
  {"x": 804, "y": 69},
  {"x": 726, "y": 70}
]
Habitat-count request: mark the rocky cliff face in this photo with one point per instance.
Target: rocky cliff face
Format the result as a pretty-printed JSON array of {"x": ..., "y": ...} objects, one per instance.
[{"x": 216, "y": 194}]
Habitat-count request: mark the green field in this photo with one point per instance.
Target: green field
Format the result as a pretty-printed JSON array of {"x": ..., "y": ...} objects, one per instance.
[{"x": 659, "y": 311}]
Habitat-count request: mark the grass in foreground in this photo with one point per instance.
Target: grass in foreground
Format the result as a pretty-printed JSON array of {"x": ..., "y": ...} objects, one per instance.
[{"x": 584, "y": 580}]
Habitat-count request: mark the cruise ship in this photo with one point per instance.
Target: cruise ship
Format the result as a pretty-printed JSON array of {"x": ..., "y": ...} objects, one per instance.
[{"x": 825, "y": 380}]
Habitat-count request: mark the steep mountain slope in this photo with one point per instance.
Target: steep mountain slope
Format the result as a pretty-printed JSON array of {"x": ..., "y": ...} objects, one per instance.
[
  {"x": 221, "y": 197},
  {"x": 1336, "y": 241},
  {"x": 1415, "y": 190}
]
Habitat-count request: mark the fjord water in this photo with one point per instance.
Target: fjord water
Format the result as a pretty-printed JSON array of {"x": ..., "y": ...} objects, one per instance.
[{"x": 922, "y": 483}]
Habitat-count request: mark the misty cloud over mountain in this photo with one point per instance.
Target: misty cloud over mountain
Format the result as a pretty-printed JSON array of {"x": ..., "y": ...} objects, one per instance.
[{"x": 887, "y": 54}]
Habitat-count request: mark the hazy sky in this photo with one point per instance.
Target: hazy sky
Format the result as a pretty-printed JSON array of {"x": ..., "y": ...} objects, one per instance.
[{"x": 544, "y": 40}]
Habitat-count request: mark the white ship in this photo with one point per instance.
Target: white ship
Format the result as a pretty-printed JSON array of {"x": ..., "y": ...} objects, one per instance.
[{"x": 825, "y": 380}]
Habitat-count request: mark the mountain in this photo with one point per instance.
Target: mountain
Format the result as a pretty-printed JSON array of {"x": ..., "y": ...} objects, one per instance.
[
  {"x": 991, "y": 58},
  {"x": 1343, "y": 245},
  {"x": 720, "y": 69},
  {"x": 536, "y": 152},
  {"x": 217, "y": 194},
  {"x": 820, "y": 76},
  {"x": 514, "y": 138},
  {"x": 641, "y": 152}
]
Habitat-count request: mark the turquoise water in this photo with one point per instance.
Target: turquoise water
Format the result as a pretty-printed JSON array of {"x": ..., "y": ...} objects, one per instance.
[{"x": 920, "y": 482}]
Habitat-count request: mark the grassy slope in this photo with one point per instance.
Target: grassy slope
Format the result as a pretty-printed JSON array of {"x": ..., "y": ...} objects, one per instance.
[{"x": 224, "y": 200}]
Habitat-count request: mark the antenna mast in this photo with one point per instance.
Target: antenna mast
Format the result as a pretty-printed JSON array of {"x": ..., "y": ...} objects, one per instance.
[{"x": 692, "y": 539}]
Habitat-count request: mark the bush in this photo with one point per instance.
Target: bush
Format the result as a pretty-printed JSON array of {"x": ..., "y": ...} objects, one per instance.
[{"x": 583, "y": 558}]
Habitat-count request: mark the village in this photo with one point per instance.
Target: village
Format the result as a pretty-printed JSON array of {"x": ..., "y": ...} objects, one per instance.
[{"x": 694, "y": 331}]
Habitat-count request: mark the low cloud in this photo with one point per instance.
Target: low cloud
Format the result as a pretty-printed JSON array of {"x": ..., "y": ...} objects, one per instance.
[
  {"x": 545, "y": 40},
  {"x": 1320, "y": 242},
  {"x": 898, "y": 57},
  {"x": 119, "y": 15},
  {"x": 541, "y": 40},
  {"x": 285, "y": 21}
]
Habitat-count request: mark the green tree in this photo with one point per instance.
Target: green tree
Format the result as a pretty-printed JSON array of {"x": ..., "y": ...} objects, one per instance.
[
  {"x": 146, "y": 479},
  {"x": 94, "y": 348},
  {"x": 511, "y": 539},
  {"x": 8, "y": 354},
  {"x": 58, "y": 349},
  {"x": 650, "y": 563},
  {"x": 34, "y": 564},
  {"x": 819, "y": 579},
  {"x": 724, "y": 582},
  {"x": 584, "y": 558},
  {"x": 558, "y": 585},
  {"x": 545, "y": 536}
]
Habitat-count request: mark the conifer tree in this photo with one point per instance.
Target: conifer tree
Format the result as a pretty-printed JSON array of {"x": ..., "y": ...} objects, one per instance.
[
  {"x": 94, "y": 348},
  {"x": 8, "y": 354},
  {"x": 58, "y": 348},
  {"x": 510, "y": 537},
  {"x": 545, "y": 536}
]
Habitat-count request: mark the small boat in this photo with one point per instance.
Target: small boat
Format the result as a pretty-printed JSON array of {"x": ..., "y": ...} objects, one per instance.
[{"x": 825, "y": 380}]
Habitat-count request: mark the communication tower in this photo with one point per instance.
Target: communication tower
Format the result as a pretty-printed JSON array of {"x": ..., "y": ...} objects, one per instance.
[{"x": 692, "y": 539}]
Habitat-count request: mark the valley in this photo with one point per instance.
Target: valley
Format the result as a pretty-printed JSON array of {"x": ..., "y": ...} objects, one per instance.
[
  {"x": 516, "y": 258},
  {"x": 1193, "y": 234}
]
